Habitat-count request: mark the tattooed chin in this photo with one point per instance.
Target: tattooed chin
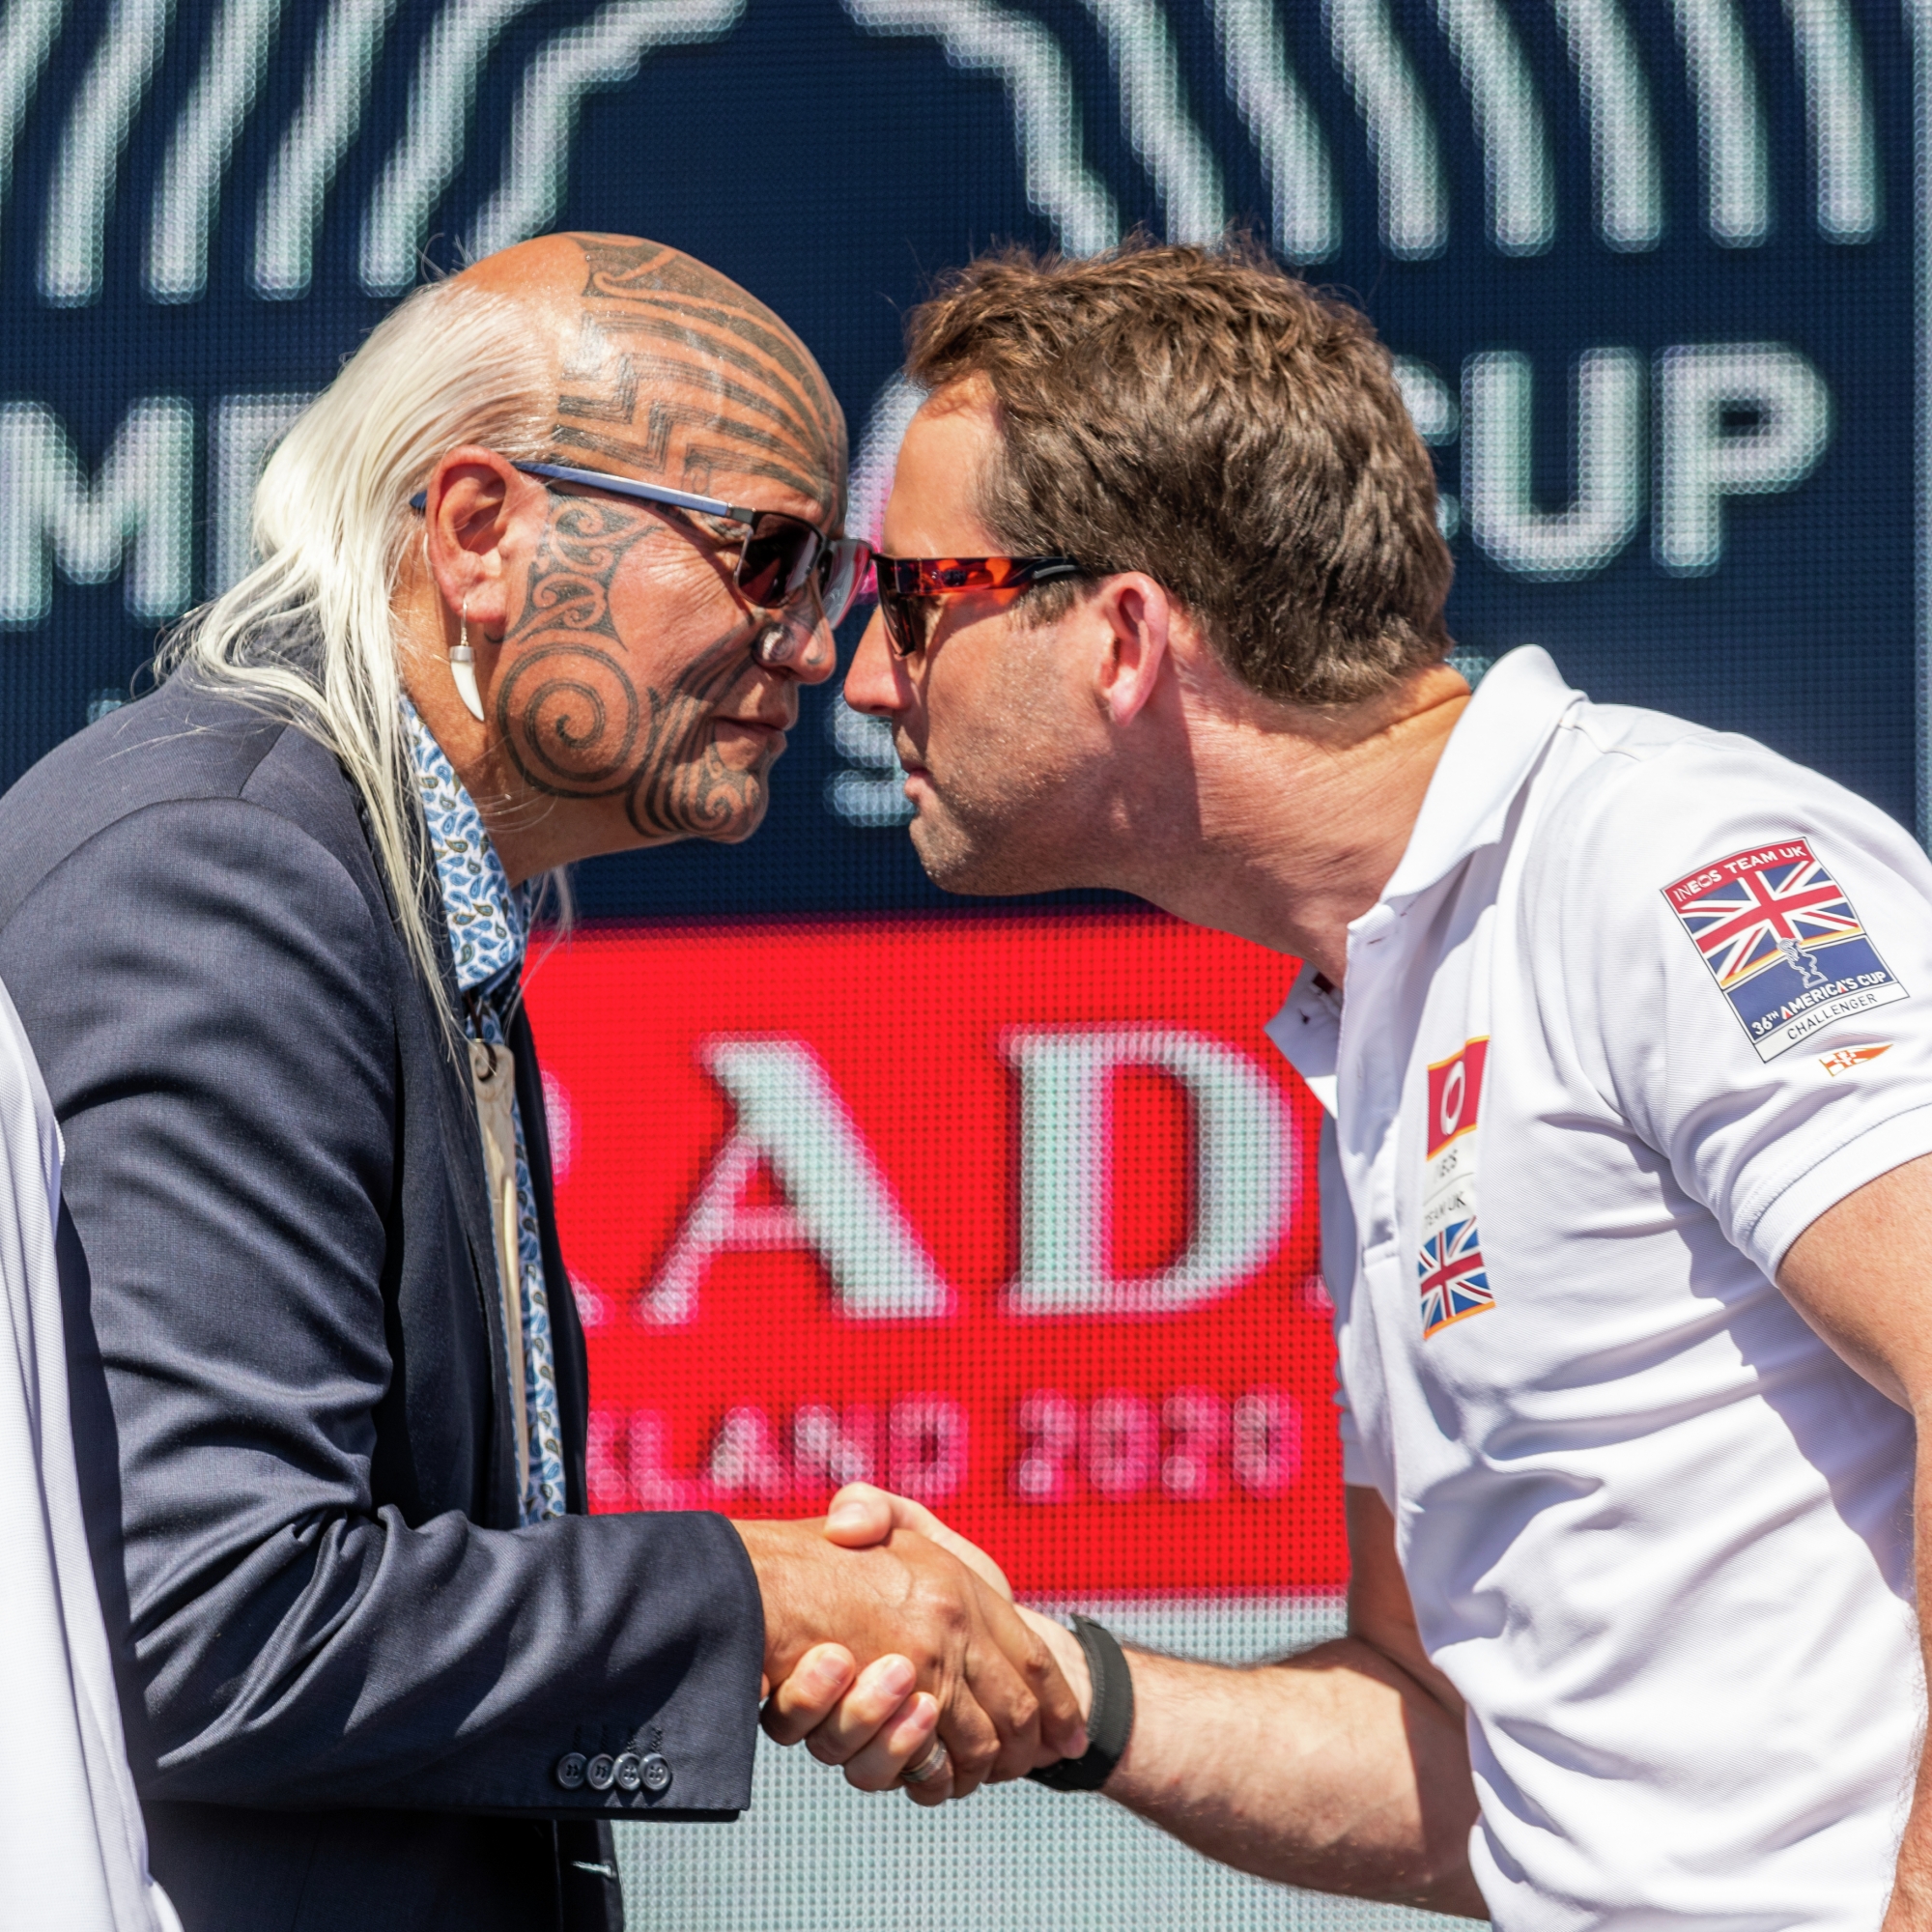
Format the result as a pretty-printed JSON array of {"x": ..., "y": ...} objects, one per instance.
[
  {"x": 712, "y": 800},
  {"x": 688, "y": 784}
]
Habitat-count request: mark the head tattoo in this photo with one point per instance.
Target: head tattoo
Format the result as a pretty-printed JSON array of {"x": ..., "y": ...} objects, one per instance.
[{"x": 677, "y": 372}]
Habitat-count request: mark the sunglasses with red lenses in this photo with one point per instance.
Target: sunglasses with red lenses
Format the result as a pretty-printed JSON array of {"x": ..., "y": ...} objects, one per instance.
[{"x": 905, "y": 581}]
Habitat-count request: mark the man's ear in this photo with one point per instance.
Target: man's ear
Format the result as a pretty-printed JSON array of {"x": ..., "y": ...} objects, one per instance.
[
  {"x": 1138, "y": 616},
  {"x": 473, "y": 516}
]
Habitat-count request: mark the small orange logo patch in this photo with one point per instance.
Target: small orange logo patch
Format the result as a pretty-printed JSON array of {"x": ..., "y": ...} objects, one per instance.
[{"x": 1848, "y": 1057}]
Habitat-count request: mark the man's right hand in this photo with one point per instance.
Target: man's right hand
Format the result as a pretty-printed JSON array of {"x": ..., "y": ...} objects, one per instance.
[{"x": 1002, "y": 1705}]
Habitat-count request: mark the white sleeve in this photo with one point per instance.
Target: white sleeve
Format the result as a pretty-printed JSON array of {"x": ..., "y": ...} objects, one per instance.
[
  {"x": 1746, "y": 959},
  {"x": 72, "y": 1841}
]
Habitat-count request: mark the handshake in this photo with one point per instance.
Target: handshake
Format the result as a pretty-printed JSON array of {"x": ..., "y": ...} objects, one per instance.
[{"x": 893, "y": 1649}]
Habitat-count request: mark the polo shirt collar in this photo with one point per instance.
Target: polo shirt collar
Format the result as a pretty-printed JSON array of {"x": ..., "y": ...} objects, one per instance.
[{"x": 1497, "y": 742}]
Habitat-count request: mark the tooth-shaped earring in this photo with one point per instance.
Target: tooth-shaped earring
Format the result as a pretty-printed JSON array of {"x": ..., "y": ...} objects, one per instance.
[{"x": 463, "y": 667}]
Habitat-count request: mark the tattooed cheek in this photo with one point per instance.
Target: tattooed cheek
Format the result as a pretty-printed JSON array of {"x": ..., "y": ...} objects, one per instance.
[{"x": 572, "y": 718}]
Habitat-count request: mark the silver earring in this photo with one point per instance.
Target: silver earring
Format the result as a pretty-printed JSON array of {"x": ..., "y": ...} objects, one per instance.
[{"x": 463, "y": 667}]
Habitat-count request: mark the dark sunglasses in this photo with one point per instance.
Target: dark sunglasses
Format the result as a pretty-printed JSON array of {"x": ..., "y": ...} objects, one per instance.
[
  {"x": 904, "y": 580},
  {"x": 777, "y": 559}
]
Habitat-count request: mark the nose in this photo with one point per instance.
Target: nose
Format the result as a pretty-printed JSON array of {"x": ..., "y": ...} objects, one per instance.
[
  {"x": 819, "y": 658},
  {"x": 799, "y": 642},
  {"x": 876, "y": 683}
]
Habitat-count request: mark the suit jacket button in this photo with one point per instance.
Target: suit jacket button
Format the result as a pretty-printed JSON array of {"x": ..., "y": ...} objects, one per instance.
[
  {"x": 656, "y": 1773},
  {"x": 630, "y": 1775},
  {"x": 570, "y": 1771},
  {"x": 599, "y": 1773}
]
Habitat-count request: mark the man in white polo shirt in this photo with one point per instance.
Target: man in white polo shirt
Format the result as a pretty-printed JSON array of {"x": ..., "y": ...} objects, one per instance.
[
  {"x": 1635, "y": 1010},
  {"x": 1625, "y": 1030}
]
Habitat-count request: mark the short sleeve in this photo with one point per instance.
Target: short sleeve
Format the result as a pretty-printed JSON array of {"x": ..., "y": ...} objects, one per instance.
[{"x": 1739, "y": 955}]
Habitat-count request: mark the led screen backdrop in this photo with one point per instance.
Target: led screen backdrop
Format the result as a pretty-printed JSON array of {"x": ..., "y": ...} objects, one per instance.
[
  {"x": 1010, "y": 1206},
  {"x": 1011, "y": 1215}
]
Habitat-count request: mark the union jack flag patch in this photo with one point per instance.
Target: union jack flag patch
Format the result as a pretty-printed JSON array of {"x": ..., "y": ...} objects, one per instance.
[
  {"x": 1785, "y": 946},
  {"x": 1455, "y": 1279}
]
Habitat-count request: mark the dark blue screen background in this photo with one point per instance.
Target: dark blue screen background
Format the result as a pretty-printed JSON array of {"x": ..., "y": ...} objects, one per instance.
[{"x": 835, "y": 168}]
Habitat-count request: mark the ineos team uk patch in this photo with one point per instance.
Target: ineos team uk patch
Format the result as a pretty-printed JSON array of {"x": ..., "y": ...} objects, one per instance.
[{"x": 1785, "y": 943}]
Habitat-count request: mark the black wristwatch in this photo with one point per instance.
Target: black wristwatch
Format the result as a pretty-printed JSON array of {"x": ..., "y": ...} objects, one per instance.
[{"x": 1110, "y": 1721}]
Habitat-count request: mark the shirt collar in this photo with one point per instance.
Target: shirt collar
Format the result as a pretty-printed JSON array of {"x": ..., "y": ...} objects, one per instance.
[
  {"x": 1496, "y": 744},
  {"x": 1307, "y": 1033},
  {"x": 487, "y": 918},
  {"x": 1495, "y": 747}
]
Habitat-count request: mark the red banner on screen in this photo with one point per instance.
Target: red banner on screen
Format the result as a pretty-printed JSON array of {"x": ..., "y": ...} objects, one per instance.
[{"x": 1014, "y": 1216}]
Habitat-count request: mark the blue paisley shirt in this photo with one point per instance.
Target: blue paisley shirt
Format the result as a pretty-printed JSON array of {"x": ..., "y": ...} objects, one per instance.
[{"x": 489, "y": 921}]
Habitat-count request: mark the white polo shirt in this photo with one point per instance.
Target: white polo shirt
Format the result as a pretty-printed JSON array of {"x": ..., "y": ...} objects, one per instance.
[{"x": 1640, "y": 1003}]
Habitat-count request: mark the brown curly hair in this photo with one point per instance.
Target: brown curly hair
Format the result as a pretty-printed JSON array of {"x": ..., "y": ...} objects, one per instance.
[{"x": 1200, "y": 414}]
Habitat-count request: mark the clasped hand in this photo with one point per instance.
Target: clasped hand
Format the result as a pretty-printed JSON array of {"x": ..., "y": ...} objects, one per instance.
[{"x": 884, "y": 1631}]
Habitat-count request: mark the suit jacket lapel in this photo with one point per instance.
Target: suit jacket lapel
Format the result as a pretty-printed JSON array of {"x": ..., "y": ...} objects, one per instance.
[
  {"x": 461, "y": 1136},
  {"x": 462, "y": 1139}
]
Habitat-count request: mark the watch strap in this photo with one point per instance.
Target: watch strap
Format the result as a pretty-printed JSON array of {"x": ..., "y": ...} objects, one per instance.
[{"x": 1110, "y": 1719}]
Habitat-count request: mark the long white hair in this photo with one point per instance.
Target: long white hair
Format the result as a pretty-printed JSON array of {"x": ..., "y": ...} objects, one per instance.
[{"x": 310, "y": 633}]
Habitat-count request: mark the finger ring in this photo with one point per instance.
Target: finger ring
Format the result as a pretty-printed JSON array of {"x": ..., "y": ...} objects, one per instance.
[{"x": 931, "y": 1765}]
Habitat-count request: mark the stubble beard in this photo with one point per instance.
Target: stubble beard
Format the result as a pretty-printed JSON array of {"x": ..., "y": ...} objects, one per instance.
[
  {"x": 998, "y": 825},
  {"x": 991, "y": 848}
]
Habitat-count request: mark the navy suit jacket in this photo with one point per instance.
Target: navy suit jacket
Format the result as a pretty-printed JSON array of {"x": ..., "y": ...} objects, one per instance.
[{"x": 348, "y": 1677}]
